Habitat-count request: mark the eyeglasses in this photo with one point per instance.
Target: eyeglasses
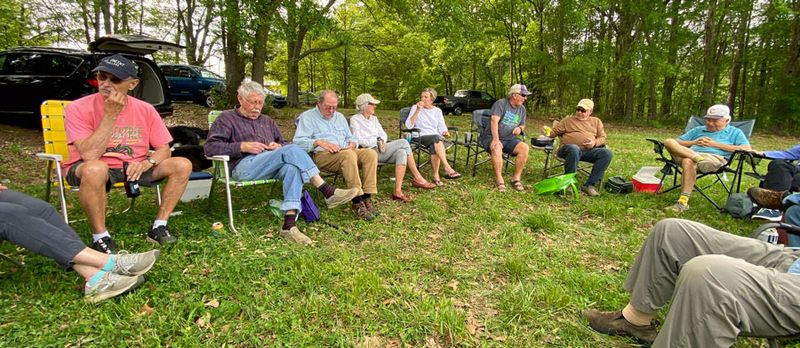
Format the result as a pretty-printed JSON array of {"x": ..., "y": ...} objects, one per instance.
[
  {"x": 115, "y": 80},
  {"x": 254, "y": 102},
  {"x": 329, "y": 107},
  {"x": 580, "y": 110}
]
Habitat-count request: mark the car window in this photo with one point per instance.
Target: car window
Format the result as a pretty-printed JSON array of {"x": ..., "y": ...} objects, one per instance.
[
  {"x": 168, "y": 70},
  {"x": 485, "y": 96},
  {"x": 209, "y": 74},
  {"x": 461, "y": 94},
  {"x": 475, "y": 94},
  {"x": 184, "y": 72},
  {"x": 149, "y": 88},
  {"x": 39, "y": 64}
]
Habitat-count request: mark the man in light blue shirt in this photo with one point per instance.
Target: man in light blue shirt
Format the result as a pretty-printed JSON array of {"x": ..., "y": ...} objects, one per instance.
[
  {"x": 705, "y": 149},
  {"x": 326, "y": 134}
]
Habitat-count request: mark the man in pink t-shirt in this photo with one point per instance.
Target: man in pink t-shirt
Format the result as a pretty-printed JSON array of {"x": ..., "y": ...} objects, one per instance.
[{"x": 108, "y": 128}]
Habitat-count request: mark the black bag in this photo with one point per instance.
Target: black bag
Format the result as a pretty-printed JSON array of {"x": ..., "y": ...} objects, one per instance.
[
  {"x": 739, "y": 205},
  {"x": 618, "y": 184}
]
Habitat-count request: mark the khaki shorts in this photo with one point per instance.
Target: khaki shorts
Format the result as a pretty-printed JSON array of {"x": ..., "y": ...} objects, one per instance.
[{"x": 711, "y": 163}]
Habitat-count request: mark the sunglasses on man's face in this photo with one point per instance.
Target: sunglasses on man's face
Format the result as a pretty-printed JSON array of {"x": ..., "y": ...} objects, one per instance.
[
  {"x": 115, "y": 80},
  {"x": 580, "y": 110}
]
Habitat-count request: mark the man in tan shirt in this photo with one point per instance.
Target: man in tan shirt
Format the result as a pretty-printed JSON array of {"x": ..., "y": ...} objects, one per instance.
[{"x": 583, "y": 139}]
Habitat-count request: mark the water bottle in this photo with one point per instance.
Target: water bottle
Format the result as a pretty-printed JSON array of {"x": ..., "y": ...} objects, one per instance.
[
  {"x": 769, "y": 235},
  {"x": 408, "y": 137},
  {"x": 217, "y": 229},
  {"x": 131, "y": 186}
]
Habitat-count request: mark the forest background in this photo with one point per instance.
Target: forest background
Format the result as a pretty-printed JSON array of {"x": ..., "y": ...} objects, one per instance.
[{"x": 642, "y": 61}]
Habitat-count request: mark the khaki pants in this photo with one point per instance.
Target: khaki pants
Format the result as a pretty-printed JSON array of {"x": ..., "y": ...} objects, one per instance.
[
  {"x": 359, "y": 167},
  {"x": 721, "y": 285}
]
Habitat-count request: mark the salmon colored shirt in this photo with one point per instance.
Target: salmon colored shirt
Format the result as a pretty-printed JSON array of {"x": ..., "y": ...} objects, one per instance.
[{"x": 137, "y": 129}]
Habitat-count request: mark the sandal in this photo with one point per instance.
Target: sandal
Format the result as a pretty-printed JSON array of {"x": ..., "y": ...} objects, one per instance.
[
  {"x": 453, "y": 175},
  {"x": 422, "y": 184},
  {"x": 517, "y": 185},
  {"x": 501, "y": 187},
  {"x": 438, "y": 182},
  {"x": 403, "y": 198}
]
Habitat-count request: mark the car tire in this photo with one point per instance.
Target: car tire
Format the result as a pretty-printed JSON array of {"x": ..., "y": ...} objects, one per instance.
[
  {"x": 457, "y": 110},
  {"x": 208, "y": 101}
]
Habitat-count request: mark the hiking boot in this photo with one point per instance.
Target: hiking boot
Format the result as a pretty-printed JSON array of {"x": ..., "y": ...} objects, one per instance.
[
  {"x": 110, "y": 285},
  {"x": 341, "y": 196},
  {"x": 294, "y": 235},
  {"x": 105, "y": 245},
  {"x": 678, "y": 207},
  {"x": 371, "y": 208},
  {"x": 613, "y": 323},
  {"x": 590, "y": 190},
  {"x": 160, "y": 235},
  {"x": 767, "y": 198},
  {"x": 135, "y": 264},
  {"x": 773, "y": 215},
  {"x": 362, "y": 211}
]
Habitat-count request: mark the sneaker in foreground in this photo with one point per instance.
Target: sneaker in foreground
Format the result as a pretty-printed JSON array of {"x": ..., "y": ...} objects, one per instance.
[
  {"x": 341, "y": 196},
  {"x": 678, "y": 207},
  {"x": 773, "y": 215},
  {"x": 294, "y": 235},
  {"x": 362, "y": 212},
  {"x": 135, "y": 264},
  {"x": 590, "y": 190},
  {"x": 613, "y": 323},
  {"x": 105, "y": 245},
  {"x": 160, "y": 235},
  {"x": 766, "y": 198},
  {"x": 110, "y": 285}
]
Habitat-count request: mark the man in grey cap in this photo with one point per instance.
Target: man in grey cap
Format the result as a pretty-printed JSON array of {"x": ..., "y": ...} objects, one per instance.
[
  {"x": 705, "y": 149},
  {"x": 502, "y": 136},
  {"x": 109, "y": 128}
]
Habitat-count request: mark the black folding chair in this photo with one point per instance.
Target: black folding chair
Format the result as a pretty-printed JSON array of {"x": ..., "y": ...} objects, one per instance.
[
  {"x": 735, "y": 164},
  {"x": 480, "y": 123}
]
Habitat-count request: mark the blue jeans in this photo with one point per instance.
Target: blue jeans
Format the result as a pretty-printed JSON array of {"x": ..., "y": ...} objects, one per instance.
[
  {"x": 600, "y": 156},
  {"x": 290, "y": 164},
  {"x": 792, "y": 216}
]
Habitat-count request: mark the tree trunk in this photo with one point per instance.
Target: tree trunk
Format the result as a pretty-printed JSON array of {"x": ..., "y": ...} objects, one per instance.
[
  {"x": 736, "y": 64},
  {"x": 670, "y": 77},
  {"x": 105, "y": 6},
  {"x": 234, "y": 62},
  {"x": 263, "y": 25}
]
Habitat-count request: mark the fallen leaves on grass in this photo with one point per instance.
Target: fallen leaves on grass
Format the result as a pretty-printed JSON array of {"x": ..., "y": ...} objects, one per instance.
[
  {"x": 475, "y": 327},
  {"x": 146, "y": 310},
  {"x": 214, "y": 303},
  {"x": 204, "y": 322}
]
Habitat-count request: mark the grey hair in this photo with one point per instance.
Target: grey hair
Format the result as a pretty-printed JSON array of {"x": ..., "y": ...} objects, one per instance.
[
  {"x": 431, "y": 91},
  {"x": 249, "y": 87},
  {"x": 324, "y": 93}
]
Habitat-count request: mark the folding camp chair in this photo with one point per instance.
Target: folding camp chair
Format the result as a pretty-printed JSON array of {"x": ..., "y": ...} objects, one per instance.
[
  {"x": 222, "y": 172},
  {"x": 481, "y": 119},
  {"x": 552, "y": 162},
  {"x": 735, "y": 164},
  {"x": 413, "y": 134},
  {"x": 57, "y": 151}
]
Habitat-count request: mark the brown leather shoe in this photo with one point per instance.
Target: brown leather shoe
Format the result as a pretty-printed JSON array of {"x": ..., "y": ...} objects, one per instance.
[
  {"x": 767, "y": 198},
  {"x": 423, "y": 185},
  {"x": 613, "y": 323},
  {"x": 371, "y": 208},
  {"x": 362, "y": 212}
]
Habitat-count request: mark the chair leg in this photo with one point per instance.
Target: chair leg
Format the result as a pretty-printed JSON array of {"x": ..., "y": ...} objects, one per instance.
[
  {"x": 228, "y": 197},
  {"x": 62, "y": 195}
]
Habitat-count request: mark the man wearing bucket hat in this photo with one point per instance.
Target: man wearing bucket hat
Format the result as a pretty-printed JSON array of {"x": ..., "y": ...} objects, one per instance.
[
  {"x": 506, "y": 124},
  {"x": 705, "y": 149},
  {"x": 108, "y": 128},
  {"x": 583, "y": 138}
]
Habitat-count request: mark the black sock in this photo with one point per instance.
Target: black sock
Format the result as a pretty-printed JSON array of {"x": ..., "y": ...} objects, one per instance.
[
  {"x": 366, "y": 196},
  {"x": 327, "y": 190},
  {"x": 289, "y": 221},
  {"x": 358, "y": 199}
]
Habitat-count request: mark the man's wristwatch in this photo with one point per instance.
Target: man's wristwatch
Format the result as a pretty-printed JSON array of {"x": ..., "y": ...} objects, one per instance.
[{"x": 152, "y": 161}]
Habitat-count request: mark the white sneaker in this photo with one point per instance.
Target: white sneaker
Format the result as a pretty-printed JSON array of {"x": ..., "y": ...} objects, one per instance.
[
  {"x": 135, "y": 264},
  {"x": 110, "y": 285}
]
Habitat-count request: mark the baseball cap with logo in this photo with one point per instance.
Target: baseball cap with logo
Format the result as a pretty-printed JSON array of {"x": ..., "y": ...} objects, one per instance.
[
  {"x": 718, "y": 111},
  {"x": 519, "y": 89},
  {"x": 118, "y": 66}
]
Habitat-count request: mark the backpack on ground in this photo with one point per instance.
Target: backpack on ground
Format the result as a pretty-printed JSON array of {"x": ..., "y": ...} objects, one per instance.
[
  {"x": 740, "y": 205},
  {"x": 618, "y": 184},
  {"x": 309, "y": 210}
]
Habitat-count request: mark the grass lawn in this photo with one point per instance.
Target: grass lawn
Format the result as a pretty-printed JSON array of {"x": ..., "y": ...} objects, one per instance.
[{"x": 463, "y": 265}]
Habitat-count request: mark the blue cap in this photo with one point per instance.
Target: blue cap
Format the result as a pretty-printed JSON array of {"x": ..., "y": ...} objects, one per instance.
[{"x": 118, "y": 66}]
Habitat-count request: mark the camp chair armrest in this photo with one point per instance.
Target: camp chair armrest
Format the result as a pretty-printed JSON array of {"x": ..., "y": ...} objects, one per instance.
[
  {"x": 224, "y": 158},
  {"x": 49, "y": 156},
  {"x": 452, "y": 128}
]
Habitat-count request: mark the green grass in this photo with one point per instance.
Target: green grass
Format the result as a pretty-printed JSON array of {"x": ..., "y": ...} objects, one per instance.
[{"x": 463, "y": 265}]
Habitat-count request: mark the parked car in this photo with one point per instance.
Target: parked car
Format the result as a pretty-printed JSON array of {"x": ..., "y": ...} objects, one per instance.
[
  {"x": 31, "y": 75},
  {"x": 307, "y": 98},
  {"x": 278, "y": 100},
  {"x": 192, "y": 83},
  {"x": 464, "y": 100}
]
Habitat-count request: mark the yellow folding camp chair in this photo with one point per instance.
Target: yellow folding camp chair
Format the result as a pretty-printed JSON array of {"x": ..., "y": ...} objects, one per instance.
[{"x": 56, "y": 151}]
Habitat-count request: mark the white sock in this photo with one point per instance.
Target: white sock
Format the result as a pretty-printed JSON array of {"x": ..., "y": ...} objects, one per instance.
[
  {"x": 159, "y": 223},
  {"x": 97, "y": 236}
]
